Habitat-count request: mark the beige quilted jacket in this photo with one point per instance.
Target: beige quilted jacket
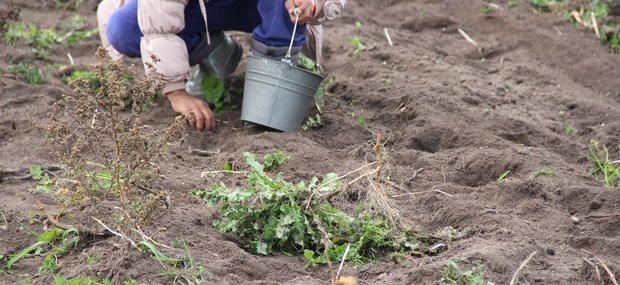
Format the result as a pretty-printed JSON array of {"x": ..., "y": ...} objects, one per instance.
[{"x": 161, "y": 20}]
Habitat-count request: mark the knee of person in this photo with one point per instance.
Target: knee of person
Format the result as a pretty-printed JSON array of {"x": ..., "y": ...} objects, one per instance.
[
  {"x": 113, "y": 35},
  {"x": 118, "y": 37}
]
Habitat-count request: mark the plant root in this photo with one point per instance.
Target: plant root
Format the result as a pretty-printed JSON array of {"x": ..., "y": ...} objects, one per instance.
[
  {"x": 525, "y": 262},
  {"x": 598, "y": 216},
  {"x": 377, "y": 198},
  {"x": 422, "y": 192},
  {"x": 596, "y": 270},
  {"x": 611, "y": 275},
  {"x": 207, "y": 173},
  {"x": 379, "y": 201},
  {"x": 327, "y": 197}
]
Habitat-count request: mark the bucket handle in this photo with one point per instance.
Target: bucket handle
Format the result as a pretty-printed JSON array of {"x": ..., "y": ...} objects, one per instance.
[{"x": 287, "y": 58}]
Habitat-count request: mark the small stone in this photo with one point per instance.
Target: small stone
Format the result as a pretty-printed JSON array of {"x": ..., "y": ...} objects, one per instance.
[
  {"x": 595, "y": 205},
  {"x": 550, "y": 251},
  {"x": 575, "y": 219}
]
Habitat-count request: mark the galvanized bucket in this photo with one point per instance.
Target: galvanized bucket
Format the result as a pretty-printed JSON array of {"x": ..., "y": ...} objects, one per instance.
[{"x": 277, "y": 94}]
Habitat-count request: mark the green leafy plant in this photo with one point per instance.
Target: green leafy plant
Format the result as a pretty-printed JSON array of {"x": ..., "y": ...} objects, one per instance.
[
  {"x": 68, "y": 4},
  {"x": 357, "y": 45},
  {"x": 87, "y": 76},
  {"x": 46, "y": 239},
  {"x": 215, "y": 94},
  {"x": 75, "y": 31},
  {"x": 599, "y": 155},
  {"x": 41, "y": 40},
  {"x": 611, "y": 35},
  {"x": 274, "y": 215},
  {"x": 361, "y": 120},
  {"x": 503, "y": 176},
  {"x": 309, "y": 64},
  {"x": 50, "y": 261},
  {"x": 486, "y": 10},
  {"x": 181, "y": 271},
  {"x": 45, "y": 183},
  {"x": 598, "y": 9},
  {"x": 545, "y": 4},
  {"x": 312, "y": 122},
  {"x": 58, "y": 280},
  {"x": 321, "y": 93},
  {"x": 542, "y": 172},
  {"x": 273, "y": 161},
  {"x": 452, "y": 275},
  {"x": 568, "y": 130},
  {"x": 513, "y": 4},
  {"x": 27, "y": 73}
]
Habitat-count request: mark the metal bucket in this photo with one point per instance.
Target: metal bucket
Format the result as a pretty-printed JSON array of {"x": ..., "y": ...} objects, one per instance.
[{"x": 277, "y": 94}]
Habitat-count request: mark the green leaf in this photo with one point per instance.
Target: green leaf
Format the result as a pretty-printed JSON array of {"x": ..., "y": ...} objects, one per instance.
[
  {"x": 36, "y": 171},
  {"x": 212, "y": 88},
  {"x": 273, "y": 161},
  {"x": 542, "y": 172},
  {"x": 157, "y": 255},
  {"x": 503, "y": 176},
  {"x": 261, "y": 248},
  {"x": 309, "y": 254},
  {"x": 23, "y": 253},
  {"x": 68, "y": 231},
  {"x": 50, "y": 236}
]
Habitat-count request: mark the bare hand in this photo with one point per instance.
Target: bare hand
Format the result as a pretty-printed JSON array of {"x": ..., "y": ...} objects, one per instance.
[
  {"x": 306, "y": 10},
  {"x": 198, "y": 111}
]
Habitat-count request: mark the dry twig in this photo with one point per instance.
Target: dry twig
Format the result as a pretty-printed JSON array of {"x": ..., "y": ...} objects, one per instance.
[
  {"x": 617, "y": 213},
  {"x": 344, "y": 256},
  {"x": 611, "y": 275},
  {"x": 422, "y": 192},
  {"x": 598, "y": 272},
  {"x": 525, "y": 262},
  {"x": 340, "y": 178},
  {"x": 595, "y": 25},
  {"x": 388, "y": 37},
  {"x": 115, "y": 232},
  {"x": 206, "y": 173},
  {"x": 60, "y": 225},
  {"x": 200, "y": 152}
]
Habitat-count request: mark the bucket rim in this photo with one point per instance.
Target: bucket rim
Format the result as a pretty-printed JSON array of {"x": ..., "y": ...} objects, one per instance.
[{"x": 292, "y": 66}]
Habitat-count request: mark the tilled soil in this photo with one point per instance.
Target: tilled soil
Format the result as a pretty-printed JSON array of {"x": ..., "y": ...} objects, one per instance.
[{"x": 455, "y": 117}]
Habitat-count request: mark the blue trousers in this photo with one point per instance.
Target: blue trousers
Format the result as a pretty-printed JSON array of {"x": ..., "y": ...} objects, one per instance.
[{"x": 268, "y": 20}]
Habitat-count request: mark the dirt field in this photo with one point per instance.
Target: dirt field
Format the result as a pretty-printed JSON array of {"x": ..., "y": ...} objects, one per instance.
[{"x": 455, "y": 117}]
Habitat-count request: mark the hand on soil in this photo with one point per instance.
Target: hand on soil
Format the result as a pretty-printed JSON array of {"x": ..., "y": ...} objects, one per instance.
[
  {"x": 198, "y": 111},
  {"x": 306, "y": 8}
]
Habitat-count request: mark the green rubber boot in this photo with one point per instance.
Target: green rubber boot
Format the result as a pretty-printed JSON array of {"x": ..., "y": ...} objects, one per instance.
[{"x": 221, "y": 61}]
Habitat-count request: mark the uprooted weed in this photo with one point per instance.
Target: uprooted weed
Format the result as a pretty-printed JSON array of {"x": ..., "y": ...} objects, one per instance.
[
  {"x": 109, "y": 154},
  {"x": 273, "y": 215}
]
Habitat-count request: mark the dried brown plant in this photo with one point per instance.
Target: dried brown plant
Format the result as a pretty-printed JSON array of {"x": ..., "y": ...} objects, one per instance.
[{"x": 108, "y": 152}]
